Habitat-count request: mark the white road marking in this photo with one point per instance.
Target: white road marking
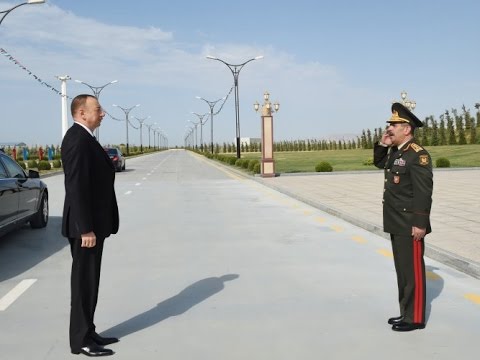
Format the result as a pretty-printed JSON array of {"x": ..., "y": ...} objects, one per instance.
[
  {"x": 144, "y": 178},
  {"x": 15, "y": 293},
  {"x": 128, "y": 192},
  {"x": 138, "y": 184}
]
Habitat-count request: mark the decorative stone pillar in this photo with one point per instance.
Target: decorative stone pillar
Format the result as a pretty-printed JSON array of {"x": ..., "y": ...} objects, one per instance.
[{"x": 267, "y": 162}]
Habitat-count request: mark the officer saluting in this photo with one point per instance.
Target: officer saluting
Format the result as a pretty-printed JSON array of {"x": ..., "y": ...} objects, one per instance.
[{"x": 407, "y": 200}]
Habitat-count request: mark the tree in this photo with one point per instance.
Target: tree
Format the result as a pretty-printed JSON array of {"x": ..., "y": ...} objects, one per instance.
[
  {"x": 441, "y": 131},
  {"x": 434, "y": 141},
  {"x": 450, "y": 130}
]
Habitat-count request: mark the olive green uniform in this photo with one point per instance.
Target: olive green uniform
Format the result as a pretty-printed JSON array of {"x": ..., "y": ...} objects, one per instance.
[{"x": 407, "y": 200}]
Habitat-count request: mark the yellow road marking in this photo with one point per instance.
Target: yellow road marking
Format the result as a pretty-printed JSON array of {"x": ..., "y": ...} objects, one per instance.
[
  {"x": 307, "y": 212},
  {"x": 359, "y": 239},
  {"x": 430, "y": 275},
  {"x": 473, "y": 298},
  {"x": 320, "y": 220},
  {"x": 385, "y": 252},
  {"x": 336, "y": 228}
]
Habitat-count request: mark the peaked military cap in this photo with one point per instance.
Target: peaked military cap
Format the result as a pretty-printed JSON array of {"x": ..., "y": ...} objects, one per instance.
[{"x": 400, "y": 114}]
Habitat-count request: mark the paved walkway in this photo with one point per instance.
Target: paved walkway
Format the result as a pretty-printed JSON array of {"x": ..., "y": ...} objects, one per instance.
[{"x": 357, "y": 198}]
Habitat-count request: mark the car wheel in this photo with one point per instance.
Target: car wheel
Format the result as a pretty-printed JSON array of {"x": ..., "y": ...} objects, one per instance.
[{"x": 40, "y": 219}]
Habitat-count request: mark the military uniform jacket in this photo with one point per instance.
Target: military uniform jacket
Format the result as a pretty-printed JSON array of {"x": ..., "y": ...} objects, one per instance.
[
  {"x": 407, "y": 196},
  {"x": 90, "y": 201}
]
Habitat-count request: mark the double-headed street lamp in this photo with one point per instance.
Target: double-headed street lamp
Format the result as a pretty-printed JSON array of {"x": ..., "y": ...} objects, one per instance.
[
  {"x": 140, "y": 121},
  {"x": 96, "y": 92},
  {"x": 200, "y": 119},
  {"x": 127, "y": 111},
  {"x": 188, "y": 136},
  {"x": 195, "y": 127},
  {"x": 29, "y": 2},
  {"x": 235, "y": 69},
  {"x": 149, "y": 127},
  {"x": 211, "y": 104}
]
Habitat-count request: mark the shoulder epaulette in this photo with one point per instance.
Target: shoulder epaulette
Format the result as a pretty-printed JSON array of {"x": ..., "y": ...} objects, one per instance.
[{"x": 416, "y": 147}]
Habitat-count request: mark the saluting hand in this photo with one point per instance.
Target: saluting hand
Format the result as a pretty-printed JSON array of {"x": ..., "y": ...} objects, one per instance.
[
  {"x": 386, "y": 140},
  {"x": 89, "y": 240}
]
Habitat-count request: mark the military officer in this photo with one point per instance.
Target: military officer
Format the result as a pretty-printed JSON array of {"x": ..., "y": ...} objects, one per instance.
[{"x": 407, "y": 200}]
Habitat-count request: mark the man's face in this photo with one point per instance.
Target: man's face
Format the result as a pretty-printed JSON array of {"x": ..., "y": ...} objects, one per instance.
[
  {"x": 398, "y": 133},
  {"x": 92, "y": 113}
]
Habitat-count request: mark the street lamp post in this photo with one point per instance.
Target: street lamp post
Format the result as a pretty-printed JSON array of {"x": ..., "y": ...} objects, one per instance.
[
  {"x": 96, "y": 92},
  {"x": 268, "y": 164},
  {"x": 141, "y": 126},
  {"x": 149, "y": 127},
  {"x": 235, "y": 69},
  {"x": 29, "y": 2},
  {"x": 64, "y": 79},
  {"x": 195, "y": 127},
  {"x": 127, "y": 111},
  {"x": 211, "y": 104},
  {"x": 188, "y": 136},
  {"x": 200, "y": 119},
  {"x": 410, "y": 104}
]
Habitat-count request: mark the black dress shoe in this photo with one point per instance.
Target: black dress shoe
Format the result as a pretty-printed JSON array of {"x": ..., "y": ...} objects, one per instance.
[
  {"x": 404, "y": 326},
  {"x": 395, "y": 320},
  {"x": 100, "y": 340},
  {"x": 94, "y": 350}
]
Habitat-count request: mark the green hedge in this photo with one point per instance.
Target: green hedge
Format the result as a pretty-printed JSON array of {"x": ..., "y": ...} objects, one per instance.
[{"x": 323, "y": 166}]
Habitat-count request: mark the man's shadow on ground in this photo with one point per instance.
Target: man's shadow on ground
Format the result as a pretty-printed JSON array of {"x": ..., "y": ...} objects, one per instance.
[
  {"x": 435, "y": 284},
  {"x": 176, "y": 305}
]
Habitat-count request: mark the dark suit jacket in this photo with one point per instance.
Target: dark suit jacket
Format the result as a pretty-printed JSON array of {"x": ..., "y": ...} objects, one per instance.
[
  {"x": 90, "y": 201},
  {"x": 407, "y": 196}
]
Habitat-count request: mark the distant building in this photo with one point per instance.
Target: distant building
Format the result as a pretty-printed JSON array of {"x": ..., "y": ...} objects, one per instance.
[{"x": 249, "y": 141}]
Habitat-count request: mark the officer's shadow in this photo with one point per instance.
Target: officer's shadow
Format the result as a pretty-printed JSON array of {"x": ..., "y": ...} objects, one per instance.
[
  {"x": 176, "y": 305},
  {"x": 435, "y": 285}
]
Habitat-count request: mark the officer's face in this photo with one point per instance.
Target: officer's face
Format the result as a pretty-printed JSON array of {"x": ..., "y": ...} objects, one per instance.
[{"x": 398, "y": 133}]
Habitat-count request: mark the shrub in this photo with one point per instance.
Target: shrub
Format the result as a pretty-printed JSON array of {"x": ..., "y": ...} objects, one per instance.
[
  {"x": 323, "y": 166},
  {"x": 252, "y": 163},
  {"x": 44, "y": 165},
  {"x": 232, "y": 160},
  {"x": 369, "y": 161},
  {"x": 245, "y": 163},
  {"x": 32, "y": 164},
  {"x": 22, "y": 164},
  {"x": 256, "y": 168},
  {"x": 442, "y": 163},
  {"x": 239, "y": 162},
  {"x": 57, "y": 164}
]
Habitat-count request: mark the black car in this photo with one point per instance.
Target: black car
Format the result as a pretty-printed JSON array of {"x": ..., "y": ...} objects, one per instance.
[
  {"x": 117, "y": 158},
  {"x": 23, "y": 198}
]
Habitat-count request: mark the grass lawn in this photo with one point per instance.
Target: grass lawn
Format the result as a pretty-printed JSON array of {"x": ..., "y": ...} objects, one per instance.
[{"x": 343, "y": 160}]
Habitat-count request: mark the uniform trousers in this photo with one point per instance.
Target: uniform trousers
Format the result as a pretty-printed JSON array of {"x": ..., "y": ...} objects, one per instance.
[
  {"x": 85, "y": 281},
  {"x": 410, "y": 268}
]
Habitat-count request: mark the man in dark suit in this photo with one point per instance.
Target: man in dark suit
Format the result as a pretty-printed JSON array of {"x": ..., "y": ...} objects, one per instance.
[
  {"x": 90, "y": 215},
  {"x": 407, "y": 200}
]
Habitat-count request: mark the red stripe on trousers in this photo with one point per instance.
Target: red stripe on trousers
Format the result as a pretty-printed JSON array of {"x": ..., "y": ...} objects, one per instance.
[{"x": 417, "y": 269}]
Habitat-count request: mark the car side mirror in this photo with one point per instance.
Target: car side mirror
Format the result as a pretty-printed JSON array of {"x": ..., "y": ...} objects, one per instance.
[{"x": 33, "y": 174}]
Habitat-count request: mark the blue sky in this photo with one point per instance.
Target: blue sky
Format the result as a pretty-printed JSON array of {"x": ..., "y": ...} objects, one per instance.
[{"x": 334, "y": 67}]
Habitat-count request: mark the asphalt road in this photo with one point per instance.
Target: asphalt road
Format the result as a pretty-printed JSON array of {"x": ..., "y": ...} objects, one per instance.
[{"x": 211, "y": 265}]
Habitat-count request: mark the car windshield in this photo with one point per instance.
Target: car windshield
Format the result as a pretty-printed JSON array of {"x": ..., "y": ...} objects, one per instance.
[{"x": 112, "y": 151}]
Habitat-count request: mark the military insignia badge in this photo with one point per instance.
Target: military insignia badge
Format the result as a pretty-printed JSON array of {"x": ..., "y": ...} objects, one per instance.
[
  {"x": 399, "y": 162},
  {"x": 396, "y": 179},
  {"x": 424, "y": 160}
]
